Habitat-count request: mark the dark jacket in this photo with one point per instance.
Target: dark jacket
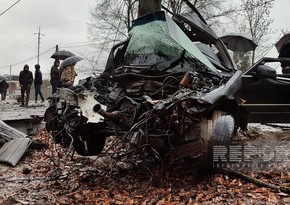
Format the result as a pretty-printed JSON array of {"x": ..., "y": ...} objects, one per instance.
[
  {"x": 38, "y": 77},
  {"x": 25, "y": 77},
  {"x": 285, "y": 53},
  {"x": 54, "y": 75},
  {"x": 3, "y": 85}
]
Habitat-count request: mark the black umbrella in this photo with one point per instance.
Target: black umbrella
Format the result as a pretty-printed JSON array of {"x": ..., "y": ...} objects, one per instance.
[
  {"x": 70, "y": 60},
  {"x": 62, "y": 55},
  {"x": 3, "y": 78},
  {"x": 239, "y": 42},
  {"x": 282, "y": 41}
]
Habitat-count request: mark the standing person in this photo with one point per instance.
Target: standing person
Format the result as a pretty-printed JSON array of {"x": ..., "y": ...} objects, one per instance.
[
  {"x": 38, "y": 83},
  {"x": 25, "y": 80},
  {"x": 54, "y": 76},
  {"x": 285, "y": 53},
  {"x": 68, "y": 75},
  {"x": 3, "y": 89}
]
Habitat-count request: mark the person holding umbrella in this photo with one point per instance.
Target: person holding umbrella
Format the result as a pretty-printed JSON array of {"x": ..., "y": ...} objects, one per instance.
[
  {"x": 55, "y": 71},
  {"x": 54, "y": 76},
  {"x": 68, "y": 73},
  {"x": 25, "y": 80}
]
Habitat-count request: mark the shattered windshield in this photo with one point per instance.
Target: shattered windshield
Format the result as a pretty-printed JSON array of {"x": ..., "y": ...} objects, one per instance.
[{"x": 158, "y": 41}]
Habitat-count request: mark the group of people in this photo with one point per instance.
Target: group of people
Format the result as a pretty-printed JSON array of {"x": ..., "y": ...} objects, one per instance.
[
  {"x": 26, "y": 80},
  {"x": 59, "y": 77},
  {"x": 62, "y": 77}
]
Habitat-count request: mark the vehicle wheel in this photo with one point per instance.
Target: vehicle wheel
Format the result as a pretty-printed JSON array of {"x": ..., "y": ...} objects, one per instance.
[
  {"x": 52, "y": 125},
  {"x": 224, "y": 129},
  {"x": 90, "y": 141},
  {"x": 222, "y": 132},
  {"x": 48, "y": 115}
]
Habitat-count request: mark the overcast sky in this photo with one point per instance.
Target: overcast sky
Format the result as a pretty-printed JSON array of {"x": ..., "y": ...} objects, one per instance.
[
  {"x": 281, "y": 23},
  {"x": 64, "y": 23}
]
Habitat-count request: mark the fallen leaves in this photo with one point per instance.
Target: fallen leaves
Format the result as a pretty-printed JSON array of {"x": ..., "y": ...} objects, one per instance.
[{"x": 53, "y": 177}]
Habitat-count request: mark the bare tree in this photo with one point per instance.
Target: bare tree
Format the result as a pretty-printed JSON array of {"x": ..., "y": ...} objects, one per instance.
[
  {"x": 110, "y": 19},
  {"x": 243, "y": 60},
  {"x": 256, "y": 14},
  {"x": 117, "y": 15},
  {"x": 147, "y": 6},
  {"x": 109, "y": 23},
  {"x": 215, "y": 10},
  {"x": 211, "y": 10},
  {"x": 175, "y": 5}
]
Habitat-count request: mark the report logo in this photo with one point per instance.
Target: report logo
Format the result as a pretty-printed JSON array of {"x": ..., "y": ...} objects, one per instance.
[{"x": 251, "y": 156}]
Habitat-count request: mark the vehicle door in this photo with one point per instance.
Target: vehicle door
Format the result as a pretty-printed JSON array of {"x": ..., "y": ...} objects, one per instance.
[{"x": 265, "y": 94}]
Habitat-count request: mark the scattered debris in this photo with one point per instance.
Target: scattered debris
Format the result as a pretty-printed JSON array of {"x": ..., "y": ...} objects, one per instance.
[
  {"x": 55, "y": 179},
  {"x": 16, "y": 125},
  {"x": 26, "y": 120},
  {"x": 15, "y": 145}
]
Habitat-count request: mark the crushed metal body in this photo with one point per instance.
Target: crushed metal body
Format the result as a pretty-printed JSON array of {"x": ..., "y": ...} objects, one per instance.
[{"x": 167, "y": 91}]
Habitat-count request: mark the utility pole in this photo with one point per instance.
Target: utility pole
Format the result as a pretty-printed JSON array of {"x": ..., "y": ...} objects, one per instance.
[
  {"x": 10, "y": 88},
  {"x": 38, "y": 43}
]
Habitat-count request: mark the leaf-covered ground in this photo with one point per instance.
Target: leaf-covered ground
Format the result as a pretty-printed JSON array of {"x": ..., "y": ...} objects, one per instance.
[{"x": 51, "y": 176}]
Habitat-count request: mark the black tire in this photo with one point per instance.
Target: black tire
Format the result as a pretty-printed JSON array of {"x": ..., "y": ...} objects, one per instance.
[
  {"x": 224, "y": 129},
  {"x": 90, "y": 141},
  {"x": 52, "y": 125},
  {"x": 48, "y": 116}
]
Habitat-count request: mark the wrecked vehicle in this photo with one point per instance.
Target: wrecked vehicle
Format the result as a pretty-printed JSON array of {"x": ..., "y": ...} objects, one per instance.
[
  {"x": 265, "y": 93},
  {"x": 169, "y": 90}
]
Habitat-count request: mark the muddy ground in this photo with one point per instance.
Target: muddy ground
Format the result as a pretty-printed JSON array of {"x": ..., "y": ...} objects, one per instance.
[{"x": 52, "y": 176}]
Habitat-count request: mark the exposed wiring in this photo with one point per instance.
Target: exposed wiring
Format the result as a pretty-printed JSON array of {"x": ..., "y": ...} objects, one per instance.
[
  {"x": 12, "y": 51},
  {"x": 18, "y": 45},
  {"x": 29, "y": 59},
  {"x": 65, "y": 23},
  {"x": 9, "y": 8},
  {"x": 12, "y": 47},
  {"x": 78, "y": 46}
]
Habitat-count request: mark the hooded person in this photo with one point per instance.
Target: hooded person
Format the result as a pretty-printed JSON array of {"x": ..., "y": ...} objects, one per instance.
[
  {"x": 3, "y": 89},
  {"x": 25, "y": 80},
  {"x": 68, "y": 75},
  {"x": 38, "y": 83},
  {"x": 55, "y": 76}
]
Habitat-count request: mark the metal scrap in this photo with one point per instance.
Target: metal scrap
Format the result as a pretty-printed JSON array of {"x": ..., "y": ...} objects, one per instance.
[{"x": 16, "y": 144}]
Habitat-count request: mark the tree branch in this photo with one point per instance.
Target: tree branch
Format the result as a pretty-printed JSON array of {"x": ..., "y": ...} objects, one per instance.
[{"x": 255, "y": 181}]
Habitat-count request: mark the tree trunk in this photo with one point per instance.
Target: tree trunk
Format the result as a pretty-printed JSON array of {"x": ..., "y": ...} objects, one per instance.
[{"x": 147, "y": 6}]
